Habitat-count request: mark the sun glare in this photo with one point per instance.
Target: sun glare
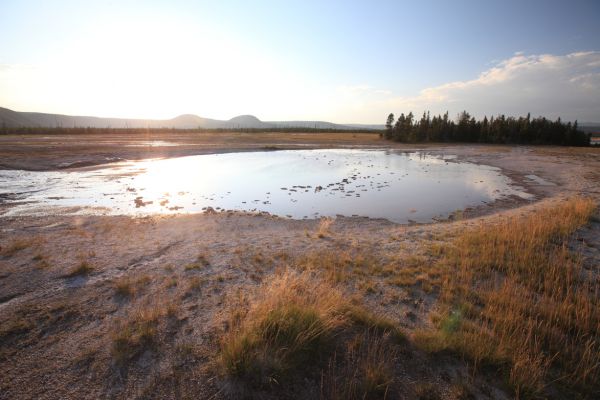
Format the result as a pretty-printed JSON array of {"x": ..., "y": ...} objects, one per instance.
[{"x": 157, "y": 67}]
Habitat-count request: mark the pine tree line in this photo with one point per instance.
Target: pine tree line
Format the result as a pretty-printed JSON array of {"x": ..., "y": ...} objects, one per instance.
[{"x": 501, "y": 129}]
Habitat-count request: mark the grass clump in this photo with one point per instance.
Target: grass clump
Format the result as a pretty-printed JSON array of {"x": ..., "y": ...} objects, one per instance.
[
  {"x": 83, "y": 268},
  {"x": 126, "y": 286},
  {"x": 13, "y": 328},
  {"x": 171, "y": 282},
  {"x": 364, "y": 372},
  {"x": 300, "y": 328},
  {"x": 41, "y": 260},
  {"x": 138, "y": 332},
  {"x": 517, "y": 298},
  {"x": 376, "y": 323},
  {"x": 196, "y": 283},
  {"x": 15, "y": 246},
  {"x": 293, "y": 321},
  {"x": 324, "y": 227},
  {"x": 427, "y": 391},
  {"x": 338, "y": 267},
  {"x": 201, "y": 262}
]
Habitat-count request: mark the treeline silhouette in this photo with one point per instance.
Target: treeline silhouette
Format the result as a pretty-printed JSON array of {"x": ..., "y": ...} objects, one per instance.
[{"x": 501, "y": 129}]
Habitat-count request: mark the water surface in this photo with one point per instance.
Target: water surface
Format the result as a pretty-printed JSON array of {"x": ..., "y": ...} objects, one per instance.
[{"x": 299, "y": 184}]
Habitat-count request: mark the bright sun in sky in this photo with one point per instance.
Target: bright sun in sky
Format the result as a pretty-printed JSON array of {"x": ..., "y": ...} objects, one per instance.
[
  {"x": 339, "y": 61},
  {"x": 153, "y": 66}
]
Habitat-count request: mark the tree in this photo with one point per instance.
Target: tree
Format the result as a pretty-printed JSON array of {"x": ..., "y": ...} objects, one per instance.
[
  {"x": 501, "y": 129},
  {"x": 389, "y": 124}
]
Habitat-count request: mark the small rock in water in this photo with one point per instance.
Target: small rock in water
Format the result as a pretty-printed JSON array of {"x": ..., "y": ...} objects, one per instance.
[{"x": 141, "y": 203}]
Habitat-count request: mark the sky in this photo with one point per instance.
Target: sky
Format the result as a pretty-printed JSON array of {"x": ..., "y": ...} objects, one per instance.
[{"x": 339, "y": 61}]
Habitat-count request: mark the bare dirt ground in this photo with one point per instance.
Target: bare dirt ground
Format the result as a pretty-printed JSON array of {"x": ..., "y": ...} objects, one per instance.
[
  {"x": 39, "y": 152},
  {"x": 58, "y": 323}
]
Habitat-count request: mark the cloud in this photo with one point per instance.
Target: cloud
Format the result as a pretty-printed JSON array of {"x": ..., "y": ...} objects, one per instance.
[{"x": 550, "y": 85}]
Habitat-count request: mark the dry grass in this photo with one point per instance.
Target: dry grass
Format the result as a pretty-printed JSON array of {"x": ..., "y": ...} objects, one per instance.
[
  {"x": 294, "y": 326},
  {"x": 139, "y": 331},
  {"x": 195, "y": 283},
  {"x": 28, "y": 322},
  {"x": 291, "y": 322},
  {"x": 338, "y": 266},
  {"x": 517, "y": 298},
  {"x": 201, "y": 262},
  {"x": 127, "y": 286},
  {"x": 14, "y": 327},
  {"x": 375, "y": 323},
  {"x": 83, "y": 268},
  {"x": 365, "y": 372},
  {"x": 171, "y": 282},
  {"x": 15, "y": 246},
  {"x": 124, "y": 287},
  {"x": 42, "y": 261},
  {"x": 360, "y": 268},
  {"x": 427, "y": 391},
  {"x": 324, "y": 227}
]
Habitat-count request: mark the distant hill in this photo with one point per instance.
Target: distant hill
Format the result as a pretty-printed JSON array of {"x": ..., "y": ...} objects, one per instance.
[
  {"x": 247, "y": 121},
  {"x": 14, "y": 119}
]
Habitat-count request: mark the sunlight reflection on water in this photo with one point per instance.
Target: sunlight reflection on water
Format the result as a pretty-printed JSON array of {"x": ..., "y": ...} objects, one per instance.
[{"x": 296, "y": 183}]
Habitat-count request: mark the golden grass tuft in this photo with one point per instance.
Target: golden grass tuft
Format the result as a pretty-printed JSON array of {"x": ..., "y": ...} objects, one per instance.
[
  {"x": 290, "y": 322},
  {"x": 16, "y": 246},
  {"x": 516, "y": 297},
  {"x": 375, "y": 323},
  {"x": 83, "y": 268},
  {"x": 196, "y": 283},
  {"x": 324, "y": 227},
  {"x": 138, "y": 331},
  {"x": 14, "y": 327},
  {"x": 294, "y": 325},
  {"x": 124, "y": 287},
  {"x": 127, "y": 286},
  {"x": 338, "y": 267},
  {"x": 201, "y": 262},
  {"x": 41, "y": 260}
]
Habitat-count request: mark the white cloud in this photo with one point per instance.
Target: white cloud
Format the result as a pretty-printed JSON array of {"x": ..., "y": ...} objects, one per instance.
[{"x": 567, "y": 86}]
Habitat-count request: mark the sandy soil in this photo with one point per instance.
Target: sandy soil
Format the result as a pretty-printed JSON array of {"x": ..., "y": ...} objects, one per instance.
[{"x": 61, "y": 344}]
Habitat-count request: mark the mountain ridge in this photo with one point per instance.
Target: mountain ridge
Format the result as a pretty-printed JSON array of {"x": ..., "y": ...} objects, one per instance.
[{"x": 15, "y": 119}]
